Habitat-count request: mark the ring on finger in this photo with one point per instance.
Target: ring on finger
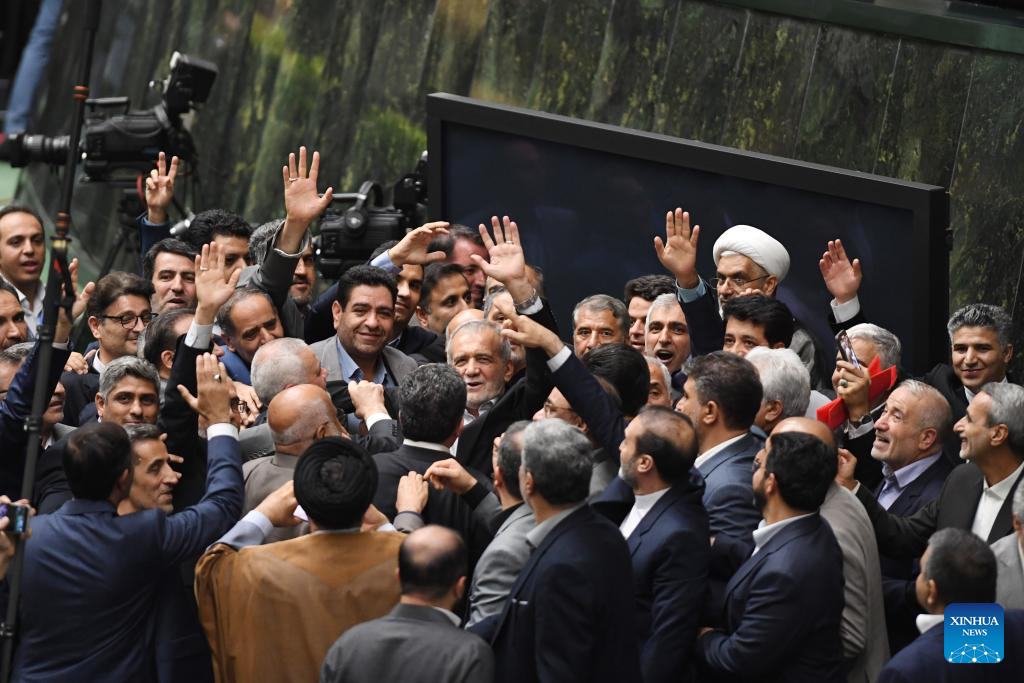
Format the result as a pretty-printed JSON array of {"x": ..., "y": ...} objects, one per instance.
[
  {"x": 843, "y": 383},
  {"x": 216, "y": 377}
]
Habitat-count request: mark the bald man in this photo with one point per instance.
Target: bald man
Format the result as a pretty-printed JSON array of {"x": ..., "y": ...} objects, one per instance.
[
  {"x": 297, "y": 417},
  {"x": 863, "y": 631},
  {"x": 462, "y": 317}
]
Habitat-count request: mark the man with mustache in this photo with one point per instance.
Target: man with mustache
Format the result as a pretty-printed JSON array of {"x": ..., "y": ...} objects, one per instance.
[{"x": 13, "y": 328}]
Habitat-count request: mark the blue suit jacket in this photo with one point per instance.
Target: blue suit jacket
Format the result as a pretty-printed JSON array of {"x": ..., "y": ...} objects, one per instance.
[
  {"x": 92, "y": 578},
  {"x": 783, "y": 608},
  {"x": 923, "y": 659},
  {"x": 729, "y": 492},
  {"x": 568, "y": 617},
  {"x": 670, "y": 554}
]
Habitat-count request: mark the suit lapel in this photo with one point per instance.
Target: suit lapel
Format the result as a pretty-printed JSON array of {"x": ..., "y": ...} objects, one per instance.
[
  {"x": 724, "y": 456},
  {"x": 1004, "y": 518},
  {"x": 647, "y": 523}
]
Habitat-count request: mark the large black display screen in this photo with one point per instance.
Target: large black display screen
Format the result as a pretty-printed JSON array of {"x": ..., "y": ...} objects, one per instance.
[{"x": 589, "y": 200}]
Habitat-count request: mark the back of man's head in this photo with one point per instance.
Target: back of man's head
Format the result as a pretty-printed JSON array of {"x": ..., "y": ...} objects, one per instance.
[
  {"x": 510, "y": 457},
  {"x": 335, "y": 481},
  {"x": 295, "y": 415},
  {"x": 431, "y": 560},
  {"x": 732, "y": 383},
  {"x": 804, "y": 467},
  {"x": 1007, "y": 408},
  {"x": 433, "y": 400},
  {"x": 95, "y": 458},
  {"x": 279, "y": 364},
  {"x": 962, "y": 566},
  {"x": 671, "y": 441},
  {"x": 260, "y": 238},
  {"x": 784, "y": 378},
  {"x": 625, "y": 368},
  {"x": 160, "y": 335},
  {"x": 559, "y": 458},
  {"x": 766, "y": 312}
]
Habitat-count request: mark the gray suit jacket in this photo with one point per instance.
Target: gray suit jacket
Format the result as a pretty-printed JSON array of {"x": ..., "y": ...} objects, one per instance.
[
  {"x": 255, "y": 442},
  {"x": 399, "y": 364},
  {"x": 1010, "y": 584},
  {"x": 862, "y": 629},
  {"x": 262, "y": 477},
  {"x": 500, "y": 564},
  {"x": 413, "y": 644}
]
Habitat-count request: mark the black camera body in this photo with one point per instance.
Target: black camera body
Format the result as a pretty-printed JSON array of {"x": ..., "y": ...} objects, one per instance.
[{"x": 348, "y": 236}]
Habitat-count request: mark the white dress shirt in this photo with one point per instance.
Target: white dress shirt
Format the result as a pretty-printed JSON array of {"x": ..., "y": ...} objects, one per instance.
[
  {"x": 992, "y": 499},
  {"x": 765, "y": 532},
  {"x": 641, "y": 506}
]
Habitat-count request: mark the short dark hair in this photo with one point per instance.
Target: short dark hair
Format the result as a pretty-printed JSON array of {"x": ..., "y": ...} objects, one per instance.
[
  {"x": 382, "y": 247},
  {"x": 560, "y": 459},
  {"x": 335, "y": 481},
  {"x": 764, "y": 311},
  {"x": 456, "y": 231},
  {"x": 239, "y": 295},
  {"x": 649, "y": 287},
  {"x": 160, "y": 334},
  {"x": 21, "y": 208},
  {"x": 114, "y": 285},
  {"x": 510, "y": 456},
  {"x": 209, "y": 224},
  {"x": 96, "y": 456},
  {"x": 982, "y": 315},
  {"x": 433, "y": 400},
  {"x": 625, "y": 368},
  {"x": 431, "y": 570},
  {"x": 732, "y": 383},
  {"x": 369, "y": 276},
  {"x": 962, "y": 566},
  {"x": 15, "y": 354},
  {"x": 165, "y": 246},
  {"x": 804, "y": 467},
  {"x": 671, "y": 441},
  {"x": 434, "y": 274}
]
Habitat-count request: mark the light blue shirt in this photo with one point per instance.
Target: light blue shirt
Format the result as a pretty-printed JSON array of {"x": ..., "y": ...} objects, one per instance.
[
  {"x": 351, "y": 372},
  {"x": 687, "y": 296},
  {"x": 895, "y": 482}
]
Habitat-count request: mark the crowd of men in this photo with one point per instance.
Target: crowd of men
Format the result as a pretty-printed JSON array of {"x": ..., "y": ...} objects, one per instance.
[{"x": 408, "y": 475}]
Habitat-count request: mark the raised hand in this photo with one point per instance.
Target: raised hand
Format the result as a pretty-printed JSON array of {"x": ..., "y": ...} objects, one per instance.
[
  {"x": 413, "y": 247},
  {"x": 507, "y": 263},
  {"x": 412, "y": 493},
  {"x": 847, "y": 466},
  {"x": 367, "y": 398},
  {"x": 215, "y": 283},
  {"x": 449, "y": 474},
  {"x": 678, "y": 251},
  {"x": 531, "y": 334},
  {"x": 215, "y": 391},
  {"x": 842, "y": 277},
  {"x": 853, "y": 387},
  {"x": 302, "y": 201},
  {"x": 62, "y": 331},
  {"x": 160, "y": 189}
]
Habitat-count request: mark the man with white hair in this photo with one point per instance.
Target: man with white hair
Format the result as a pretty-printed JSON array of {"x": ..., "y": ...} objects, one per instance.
[
  {"x": 785, "y": 383},
  {"x": 660, "y": 393},
  {"x": 746, "y": 258}
]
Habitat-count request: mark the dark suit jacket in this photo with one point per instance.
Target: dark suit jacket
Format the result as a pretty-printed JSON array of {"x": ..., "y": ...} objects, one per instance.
[
  {"x": 901, "y": 606},
  {"x": 568, "y": 617},
  {"x": 413, "y": 644},
  {"x": 14, "y": 409},
  {"x": 79, "y": 392},
  {"x": 670, "y": 554},
  {"x": 907, "y": 537},
  {"x": 729, "y": 492},
  {"x": 782, "y": 611},
  {"x": 91, "y": 578},
  {"x": 603, "y": 417},
  {"x": 923, "y": 659},
  {"x": 519, "y": 402},
  {"x": 421, "y": 345}
]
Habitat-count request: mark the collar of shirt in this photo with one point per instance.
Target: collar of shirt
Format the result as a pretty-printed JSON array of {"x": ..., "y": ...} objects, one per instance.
[
  {"x": 971, "y": 394},
  {"x": 538, "y": 533},
  {"x": 98, "y": 365},
  {"x": 448, "y": 613},
  {"x": 33, "y": 309},
  {"x": 715, "y": 450},
  {"x": 284, "y": 460},
  {"x": 926, "y": 622},
  {"x": 765, "y": 532},
  {"x": 908, "y": 473},
  {"x": 468, "y": 417},
  {"x": 1000, "y": 490},
  {"x": 429, "y": 445},
  {"x": 646, "y": 501},
  {"x": 351, "y": 371},
  {"x": 642, "y": 504}
]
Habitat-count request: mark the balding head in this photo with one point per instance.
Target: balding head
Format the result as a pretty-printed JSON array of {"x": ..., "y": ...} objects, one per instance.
[
  {"x": 805, "y": 425},
  {"x": 300, "y": 415},
  {"x": 460, "y": 318},
  {"x": 283, "y": 363},
  {"x": 432, "y": 564}
]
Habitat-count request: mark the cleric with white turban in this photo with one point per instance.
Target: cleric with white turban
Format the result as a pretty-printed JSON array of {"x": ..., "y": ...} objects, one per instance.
[{"x": 749, "y": 256}]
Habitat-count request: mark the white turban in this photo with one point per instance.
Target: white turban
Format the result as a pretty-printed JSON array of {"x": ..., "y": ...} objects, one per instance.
[{"x": 757, "y": 245}]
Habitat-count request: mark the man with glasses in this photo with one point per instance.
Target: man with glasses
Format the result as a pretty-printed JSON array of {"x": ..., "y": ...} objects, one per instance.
[{"x": 119, "y": 310}]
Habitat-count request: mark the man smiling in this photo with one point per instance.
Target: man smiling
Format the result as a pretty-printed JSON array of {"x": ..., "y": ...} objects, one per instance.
[{"x": 22, "y": 252}]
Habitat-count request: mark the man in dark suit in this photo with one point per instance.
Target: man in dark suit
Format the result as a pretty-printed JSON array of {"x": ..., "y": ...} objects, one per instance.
[
  {"x": 420, "y": 640},
  {"x": 784, "y": 603},
  {"x": 90, "y": 627},
  {"x": 721, "y": 397},
  {"x": 977, "y": 496},
  {"x": 657, "y": 505},
  {"x": 433, "y": 399},
  {"x": 957, "y": 567},
  {"x": 568, "y": 616}
]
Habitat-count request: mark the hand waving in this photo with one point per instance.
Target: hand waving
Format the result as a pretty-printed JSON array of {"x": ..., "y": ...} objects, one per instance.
[
  {"x": 302, "y": 201},
  {"x": 215, "y": 391},
  {"x": 413, "y": 247},
  {"x": 505, "y": 251},
  {"x": 160, "y": 189},
  {"x": 215, "y": 282},
  {"x": 678, "y": 252},
  {"x": 529, "y": 333},
  {"x": 842, "y": 277}
]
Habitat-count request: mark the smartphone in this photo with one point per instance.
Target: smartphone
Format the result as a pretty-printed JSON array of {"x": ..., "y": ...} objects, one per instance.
[
  {"x": 18, "y": 514},
  {"x": 846, "y": 348}
]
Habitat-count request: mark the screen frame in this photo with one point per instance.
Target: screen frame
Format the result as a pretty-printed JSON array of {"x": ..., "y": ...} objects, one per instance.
[{"x": 929, "y": 204}]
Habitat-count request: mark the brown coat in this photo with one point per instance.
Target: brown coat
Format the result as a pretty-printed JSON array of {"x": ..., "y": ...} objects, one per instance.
[{"x": 271, "y": 612}]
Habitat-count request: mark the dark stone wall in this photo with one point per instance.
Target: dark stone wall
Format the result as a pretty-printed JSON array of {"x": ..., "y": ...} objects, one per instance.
[{"x": 350, "y": 76}]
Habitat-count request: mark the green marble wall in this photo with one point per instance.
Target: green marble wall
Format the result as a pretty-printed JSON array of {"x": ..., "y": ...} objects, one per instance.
[{"x": 350, "y": 76}]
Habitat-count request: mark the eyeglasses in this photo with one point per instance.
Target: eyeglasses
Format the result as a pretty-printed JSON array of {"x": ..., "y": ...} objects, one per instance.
[
  {"x": 736, "y": 282},
  {"x": 128, "y": 320},
  {"x": 239, "y": 406},
  {"x": 551, "y": 410}
]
